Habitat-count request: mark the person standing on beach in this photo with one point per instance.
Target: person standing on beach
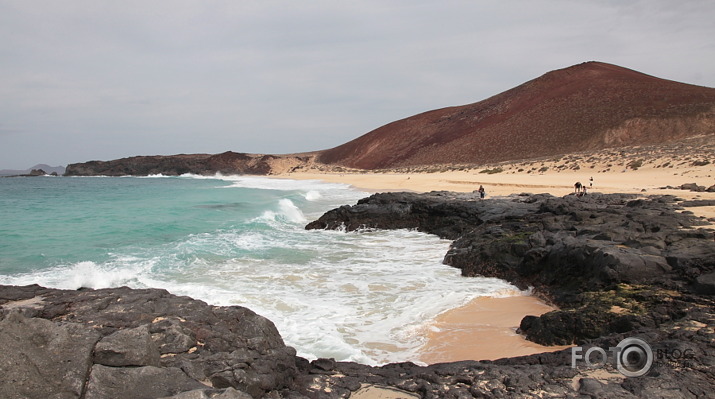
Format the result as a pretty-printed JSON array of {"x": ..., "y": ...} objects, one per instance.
[
  {"x": 590, "y": 182},
  {"x": 482, "y": 193},
  {"x": 577, "y": 187}
]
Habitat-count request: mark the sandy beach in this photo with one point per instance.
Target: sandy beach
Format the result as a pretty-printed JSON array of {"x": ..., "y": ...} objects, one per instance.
[
  {"x": 486, "y": 327},
  {"x": 646, "y": 181}
]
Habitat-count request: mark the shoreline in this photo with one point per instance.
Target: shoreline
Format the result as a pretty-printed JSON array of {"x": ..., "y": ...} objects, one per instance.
[
  {"x": 650, "y": 179},
  {"x": 485, "y": 328}
]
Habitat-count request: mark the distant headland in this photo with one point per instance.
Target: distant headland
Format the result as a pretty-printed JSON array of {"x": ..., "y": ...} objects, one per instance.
[{"x": 37, "y": 170}]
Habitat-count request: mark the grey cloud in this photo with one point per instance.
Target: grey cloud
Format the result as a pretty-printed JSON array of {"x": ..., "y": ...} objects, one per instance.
[{"x": 113, "y": 79}]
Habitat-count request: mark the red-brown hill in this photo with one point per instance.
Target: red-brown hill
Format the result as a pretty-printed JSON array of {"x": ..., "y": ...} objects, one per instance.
[{"x": 589, "y": 106}]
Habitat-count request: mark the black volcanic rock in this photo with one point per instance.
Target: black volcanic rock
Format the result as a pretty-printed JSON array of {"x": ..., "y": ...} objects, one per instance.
[
  {"x": 39, "y": 358},
  {"x": 44, "y": 168},
  {"x": 446, "y": 214},
  {"x": 585, "y": 254},
  {"x": 617, "y": 266},
  {"x": 120, "y": 342},
  {"x": 47, "y": 340}
]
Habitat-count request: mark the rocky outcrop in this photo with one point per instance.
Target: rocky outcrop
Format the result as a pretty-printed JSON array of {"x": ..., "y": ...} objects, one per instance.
[
  {"x": 124, "y": 343},
  {"x": 616, "y": 265},
  {"x": 692, "y": 187},
  {"x": 32, "y": 173},
  {"x": 39, "y": 169},
  {"x": 586, "y": 254},
  {"x": 682, "y": 368}
]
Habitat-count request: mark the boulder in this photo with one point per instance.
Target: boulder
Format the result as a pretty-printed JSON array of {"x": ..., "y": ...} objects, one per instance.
[
  {"x": 692, "y": 187},
  {"x": 705, "y": 284},
  {"x": 128, "y": 347},
  {"x": 122, "y": 342},
  {"x": 145, "y": 382},
  {"x": 40, "y": 358}
]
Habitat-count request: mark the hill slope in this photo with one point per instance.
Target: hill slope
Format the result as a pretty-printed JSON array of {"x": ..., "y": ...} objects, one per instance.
[{"x": 589, "y": 106}]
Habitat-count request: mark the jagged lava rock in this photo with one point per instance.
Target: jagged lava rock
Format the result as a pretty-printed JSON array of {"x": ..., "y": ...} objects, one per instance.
[{"x": 107, "y": 343}]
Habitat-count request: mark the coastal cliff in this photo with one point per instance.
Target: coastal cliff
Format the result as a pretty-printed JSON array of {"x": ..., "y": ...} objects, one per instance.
[
  {"x": 618, "y": 266},
  {"x": 229, "y": 163}
]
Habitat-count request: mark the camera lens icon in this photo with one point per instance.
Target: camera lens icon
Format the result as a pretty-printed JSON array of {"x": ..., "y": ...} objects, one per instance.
[{"x": 634, "y": 358}]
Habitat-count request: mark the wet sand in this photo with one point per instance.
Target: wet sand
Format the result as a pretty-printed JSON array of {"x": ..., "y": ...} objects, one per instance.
[{"x": 484, "y": 329}]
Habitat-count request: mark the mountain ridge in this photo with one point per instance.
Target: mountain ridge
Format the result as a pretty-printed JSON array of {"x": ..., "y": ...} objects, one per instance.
[{"x": 587, "y": 106}]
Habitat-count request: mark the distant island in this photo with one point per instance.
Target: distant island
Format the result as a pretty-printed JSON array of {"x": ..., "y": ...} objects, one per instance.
[{"x": 37, "y": 170}]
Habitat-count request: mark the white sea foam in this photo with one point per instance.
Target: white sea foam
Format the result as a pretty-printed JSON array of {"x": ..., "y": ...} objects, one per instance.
[
  {"x": 89, "y": 274},
  {"x": 367, "y": 296},
  {"x": 269, "y": 183},
  {"x": 83, "y": 274},
  {"x": 291, "y": 212},
  {"x": 286, "y": 211},
  {"x": 153, "y": 176},
  {"x": 313, "y": 195},
  {"x": 313, "y": 189}
]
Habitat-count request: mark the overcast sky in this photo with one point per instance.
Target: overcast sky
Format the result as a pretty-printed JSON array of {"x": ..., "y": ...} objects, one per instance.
[{"x": 91, "y": 79}]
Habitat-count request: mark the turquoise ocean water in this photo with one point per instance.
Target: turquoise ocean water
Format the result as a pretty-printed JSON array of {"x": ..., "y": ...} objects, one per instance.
[{"x": 232, "y": 240}]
